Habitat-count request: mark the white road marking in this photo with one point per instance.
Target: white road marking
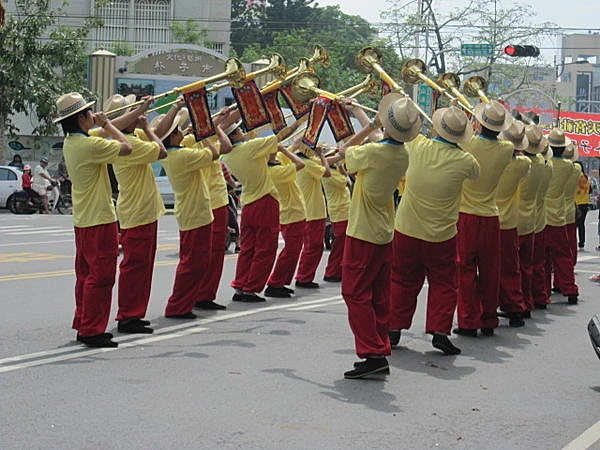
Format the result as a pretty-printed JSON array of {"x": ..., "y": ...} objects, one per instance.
[
  {"x": 14, "y": 244},
  {"x": 304, "y": 308},
  {"x": 586, "y": 439},
  {"x": 587, "y": 258},
  {"x": 24, "y": 233},
  {"x": 19, "y": 362}
]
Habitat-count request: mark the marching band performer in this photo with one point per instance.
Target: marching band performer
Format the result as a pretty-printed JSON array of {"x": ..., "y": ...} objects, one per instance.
[
  {"x": 558, "y": 251},
  {"x": 539, "y": 292},
  {"x": 367, "y": 254},
  {"x": 259, "y": 229},
  {"x": 511, "y": 301},
  {"x": 425, "y": 228},
  {"x": 478, "y": 224},
  {"x": 309, "y": 182},
  {"x": 185, "y": 168},
  {"x": 139, "y": 206},
  {"x": 528, "y": 192},
  {"x": 570, "y": 205},
  {"x": 94, "y": 217},
  {"x": 292, "y": 218}
]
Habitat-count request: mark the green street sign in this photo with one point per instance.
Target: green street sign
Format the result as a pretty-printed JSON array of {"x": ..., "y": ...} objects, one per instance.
[
  {"x": 476, "y": 49},
  {"x": 424, "y": 96}
]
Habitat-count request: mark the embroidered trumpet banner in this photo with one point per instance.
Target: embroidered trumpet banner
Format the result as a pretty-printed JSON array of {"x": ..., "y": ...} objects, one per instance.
[
  {"x": 316, "y": 120},
  {"x": 385, "y": 88},
  {"x": 298, "y": 109},
  {"x": 197, "y": 103},
  {"x": 275, "y": 112},
  {"x": 251, "y": 105},
  {"x": 339, "y": 121}
]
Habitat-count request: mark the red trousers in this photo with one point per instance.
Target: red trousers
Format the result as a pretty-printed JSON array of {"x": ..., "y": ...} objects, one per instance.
[
  {"x": 539, "y": 293},
  {"x": 135, "y": 270},
  {"x": 479, "y": 271},
  {"x": 572, "y": 235},
  {"x": 334, "y": 262},
  {"x": 194, "y": 257},
  {"x": 413, "y": 260},
  {"x": 526, "y": 249},
  {"x": 511, "y": 293},
  {"x": 312, "y": 250},
  {"x": 259, "y": 233},
  {"x": 211, "y": 276},
  {"x": 559, "y": 260},
  {"x": 287, "y": 261},
  {"x": 366, "y": 291},
  {"x": 95, "y": 267}
]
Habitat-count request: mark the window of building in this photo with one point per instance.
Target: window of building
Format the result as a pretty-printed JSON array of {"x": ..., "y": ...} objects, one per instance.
[
  {"x": 152, "y": 23},
  {"x": 114, "y": 15}
]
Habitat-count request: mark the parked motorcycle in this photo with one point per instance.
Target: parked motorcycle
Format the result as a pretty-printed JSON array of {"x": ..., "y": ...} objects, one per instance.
[{"x": 21, "y": 203}]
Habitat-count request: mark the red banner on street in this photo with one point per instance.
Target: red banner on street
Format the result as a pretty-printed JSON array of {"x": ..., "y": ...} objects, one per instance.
[
  {"x": 582, "y": 128},
  {"x": 251, "y": 105},
  {"x": 197, "y": 103}
]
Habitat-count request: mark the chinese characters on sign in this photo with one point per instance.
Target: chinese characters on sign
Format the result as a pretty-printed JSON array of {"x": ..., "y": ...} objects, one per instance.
[{"x": 183, "y": 63}]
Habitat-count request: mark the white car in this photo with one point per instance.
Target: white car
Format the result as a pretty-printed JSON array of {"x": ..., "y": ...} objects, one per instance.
[
  {"x": 10, "y": 182},
  {"x": 164, "y": 186}
]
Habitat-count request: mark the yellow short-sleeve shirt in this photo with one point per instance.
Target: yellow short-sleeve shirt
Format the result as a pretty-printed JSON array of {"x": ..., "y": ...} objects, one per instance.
[
  {"x": 528, "y": 191},
  {"x": 217, "y": 186},
  {"x": 556, "y": 214},
  {"x": 479, "y": 196},
  {"x": 582, "y": 197},
  {"x": 291, "y": 201},
  {"x": 248, "y": 163},
  {"x": 309, "y": 182},
  {"x": 139, "y": 202},
  {"x": 570, "y": 193},
  {"x": 87, "y": 158},
  {"x": 337, "y": 196},
  {"x": 184, "y": 167},
  {"x": 434, "y": 181},
  {"x": 540, "y": 217},
  {"x": 378, "y": 167},
  {"x": 507, "y": 194}
]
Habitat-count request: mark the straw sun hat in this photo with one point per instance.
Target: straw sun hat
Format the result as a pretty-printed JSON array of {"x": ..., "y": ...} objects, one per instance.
[
  {"x": 118, "y": 101},
  {"x": 493, "y": 115},
  {"x": 537, "y": 141},
  {"x": 399, "y": 117},
  {"x": 70, "y": 104},
  {"x": 515, "y": 133},
  {"x": 452, "y": 124}
]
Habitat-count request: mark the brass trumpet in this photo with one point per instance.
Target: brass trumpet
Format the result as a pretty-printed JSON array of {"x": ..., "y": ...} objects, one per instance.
[
  {"x": 413, "y": 70},
  {"x": 451, "y": 81},
  {"x": 234, "y": 72},
  {"x": 369, "y": 60},
  {"x": 476, "y": 87}
]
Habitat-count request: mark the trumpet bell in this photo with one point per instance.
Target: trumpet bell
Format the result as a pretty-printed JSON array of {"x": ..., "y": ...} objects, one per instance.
[
  {"x": 321, "y": 56},
  {"x": 277, "y": 66},
  {"x": 449, "y": 80},
  {"x": 474, "y": 85},
  {"x": 234, "y": 71},
  {"x": 367, "y": 57},
  {"x": 411, "y": 70},
  {"x": 304, "y": 86}
]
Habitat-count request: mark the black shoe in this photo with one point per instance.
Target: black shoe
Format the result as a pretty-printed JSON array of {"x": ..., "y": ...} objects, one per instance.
[
  {"x": 332, "y": 279},
  {"x": 464, "y": 332},
  {"x": 573, "y": 299},
  {"x": 541, "y": 306},
  {"x": 134, "y": 326},
  {"x": 188, "y": 315},
  {"x": 394, "y": 337},
  {"x": 370, "y": 366},
  {"x": 441, "y": 342},
  {"x": 279, "y": 292},
  {"x": 102, "y": 340},
  {"x": 248, "y": 298},
  {"x": 555, "y": 289},
  {"x": 209, "y": 305},
  {"x": 526, "y": 315},
  {"x": 516, "y": 322},
  {"x": 489, "y": 331},
  {"x": 307, "y": 284},
  {"x": 288, "y": 290}
]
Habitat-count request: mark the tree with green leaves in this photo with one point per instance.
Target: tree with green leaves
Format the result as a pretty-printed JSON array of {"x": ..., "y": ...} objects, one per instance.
[
  {"x": 39, "y": 60},
  {"x": 188, "y": 32}
]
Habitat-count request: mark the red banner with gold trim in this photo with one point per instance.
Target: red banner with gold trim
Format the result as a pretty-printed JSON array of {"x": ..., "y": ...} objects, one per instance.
[
  {"x": 298, "y": 109},
  {"x": 385, "y": 88},
  {"x": 275, "y": 112},
  {"x": 339, "y": 121},
  {"x": 316, "y": 120},
  {"x": 251, "y": 105},
  {"x": 197, "y": 103}
]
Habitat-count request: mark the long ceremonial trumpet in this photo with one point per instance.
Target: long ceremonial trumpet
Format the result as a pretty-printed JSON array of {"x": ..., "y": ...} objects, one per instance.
[
  {"x": 234, "y": 72},
  {"x": 306, "y": 87},
  {"x": 476, "y": 87},
  {"x": 369, "y": 60},
  {"x": 414, "y": 70},
  {"x": 451, "y": 81},
  {"x": 276, "y": 67}
]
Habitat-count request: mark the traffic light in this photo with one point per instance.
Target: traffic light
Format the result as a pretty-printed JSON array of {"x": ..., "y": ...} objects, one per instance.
[{"x": 522, "y": 50}]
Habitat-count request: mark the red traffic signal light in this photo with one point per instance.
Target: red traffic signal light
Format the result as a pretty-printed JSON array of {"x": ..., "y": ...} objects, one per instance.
[{"x": 522, "y": 50}]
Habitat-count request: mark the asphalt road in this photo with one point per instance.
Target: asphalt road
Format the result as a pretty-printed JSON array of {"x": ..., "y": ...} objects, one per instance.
[{"x": 271, "y": 375}]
